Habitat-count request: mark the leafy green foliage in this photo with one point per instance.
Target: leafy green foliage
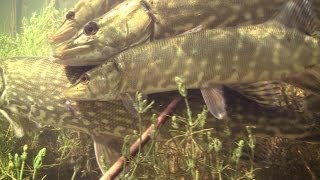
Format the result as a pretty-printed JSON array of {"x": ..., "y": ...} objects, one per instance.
[{"x": 32, "y": 40}]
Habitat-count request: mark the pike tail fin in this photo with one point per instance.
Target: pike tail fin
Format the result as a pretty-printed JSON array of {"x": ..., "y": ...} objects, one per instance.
[{"x": 17, "y": 128}]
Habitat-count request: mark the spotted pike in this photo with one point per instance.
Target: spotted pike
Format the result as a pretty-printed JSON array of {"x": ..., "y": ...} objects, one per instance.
[
  {"x": 246, "y": 54},
  {"x": 31, "y": 90},
  {"x": 134, "y": 22},
  {"x": 83, "y": 12}
]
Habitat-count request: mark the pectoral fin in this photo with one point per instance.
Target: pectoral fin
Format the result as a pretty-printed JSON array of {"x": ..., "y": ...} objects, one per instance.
[
  {"x": 107, "y": 151},
  {"x": 213, "y": 97},
  {"x": 193, "y": 30},
  {"x": 308, "y": 80},
  {"x": 128, "y": 103},
  {"x": 265, "y": 93},
  {"x": 271, "y": 93},
  {"x": 18, "y": 130}
]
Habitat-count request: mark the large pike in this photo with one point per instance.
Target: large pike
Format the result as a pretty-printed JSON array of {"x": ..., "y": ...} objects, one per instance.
[
  {"x": 83, "y": 12},
  {"x": 136, "y": 21},
  {"x": 32, "y": 90},
  {"x": 246, "y": 54}
]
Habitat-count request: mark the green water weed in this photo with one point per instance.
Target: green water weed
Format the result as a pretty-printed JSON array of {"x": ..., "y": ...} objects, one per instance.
[
  {"x": 193, "y": 151},
  {"x": 16, "y": 165}
]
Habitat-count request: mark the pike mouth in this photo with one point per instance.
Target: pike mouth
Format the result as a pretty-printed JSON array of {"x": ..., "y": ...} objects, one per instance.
[
  {"x": 64, "y": 34},
  {"x": 76, "y": 93},
  {"x": 84, "y": 52},
  {"x": 65, "y": 52},
  {"x": 83, "y": 55}
]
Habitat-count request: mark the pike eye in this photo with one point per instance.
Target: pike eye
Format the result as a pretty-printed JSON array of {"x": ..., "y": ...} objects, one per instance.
[
  {"x": 91, "y": 28},
  {"x": 70, "y": 15},
  {"x": 84, "y": 79}
]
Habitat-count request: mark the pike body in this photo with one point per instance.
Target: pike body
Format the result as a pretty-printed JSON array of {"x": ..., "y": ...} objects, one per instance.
[
  {"x": 134, "y": 22},
  {"x": 33, "y": 91}
]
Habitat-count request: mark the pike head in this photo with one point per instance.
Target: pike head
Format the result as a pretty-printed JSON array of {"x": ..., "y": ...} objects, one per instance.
[
  {"x": 83, "y": 12},
  {"x": 89, "y": 85},
  {"x": 125, "y": 25}
]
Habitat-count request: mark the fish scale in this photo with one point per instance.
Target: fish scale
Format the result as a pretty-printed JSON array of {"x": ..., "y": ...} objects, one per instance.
[{"x": 211, "y": 14}]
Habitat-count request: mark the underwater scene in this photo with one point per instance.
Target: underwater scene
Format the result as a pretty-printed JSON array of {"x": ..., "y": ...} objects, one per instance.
[{"x": 159, "y": 89}]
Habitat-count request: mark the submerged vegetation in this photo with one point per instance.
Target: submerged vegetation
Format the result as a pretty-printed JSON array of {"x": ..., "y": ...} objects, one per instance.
[
  {"x": 32, "y": 39},
  {"x": 192, "y": 152},
  {"x": 16, "y": 165},
  {"x": 63, "y": 147}
]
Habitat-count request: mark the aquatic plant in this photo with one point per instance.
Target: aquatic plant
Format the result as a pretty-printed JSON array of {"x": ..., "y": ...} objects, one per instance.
[
  {"x": 192, "y": 152},
  {"x": 32, "y": 39},
  {"x": 8, "y": 46},
  {"x": 15, "y": 167}
]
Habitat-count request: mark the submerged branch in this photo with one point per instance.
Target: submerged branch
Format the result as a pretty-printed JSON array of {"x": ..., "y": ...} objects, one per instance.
[{"x": 117, "y": 167}]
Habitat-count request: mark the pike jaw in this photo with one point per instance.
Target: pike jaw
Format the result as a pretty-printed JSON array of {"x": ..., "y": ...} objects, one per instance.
[
  {"x": 66, "y": 32},
  {"x": 85, "y": 50}
]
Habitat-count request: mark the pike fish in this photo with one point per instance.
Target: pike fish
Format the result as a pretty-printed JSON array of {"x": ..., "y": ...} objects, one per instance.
[
  {"x": 274, "y": 50},
  {"x": 83, "y": 12},
  {"x": 134, "y": 22},
  {"x": 32, "y": 90}
]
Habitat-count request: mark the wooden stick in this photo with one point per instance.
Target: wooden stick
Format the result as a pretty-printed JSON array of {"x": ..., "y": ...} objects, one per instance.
[{"x": 117, "y": 167}]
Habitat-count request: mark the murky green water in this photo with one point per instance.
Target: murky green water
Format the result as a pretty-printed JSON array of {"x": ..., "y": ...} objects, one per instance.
[{"x": 203, "y": 148}]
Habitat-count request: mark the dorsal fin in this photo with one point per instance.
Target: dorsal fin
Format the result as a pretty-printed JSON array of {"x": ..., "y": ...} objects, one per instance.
[{"x": 299, "y": 14}]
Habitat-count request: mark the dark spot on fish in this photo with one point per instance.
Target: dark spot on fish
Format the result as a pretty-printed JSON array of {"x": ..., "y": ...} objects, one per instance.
[
  {"x": 70, "y": 15},
  {"x": 91, "y": 28},
  {"x": 116, "y": 65}
]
